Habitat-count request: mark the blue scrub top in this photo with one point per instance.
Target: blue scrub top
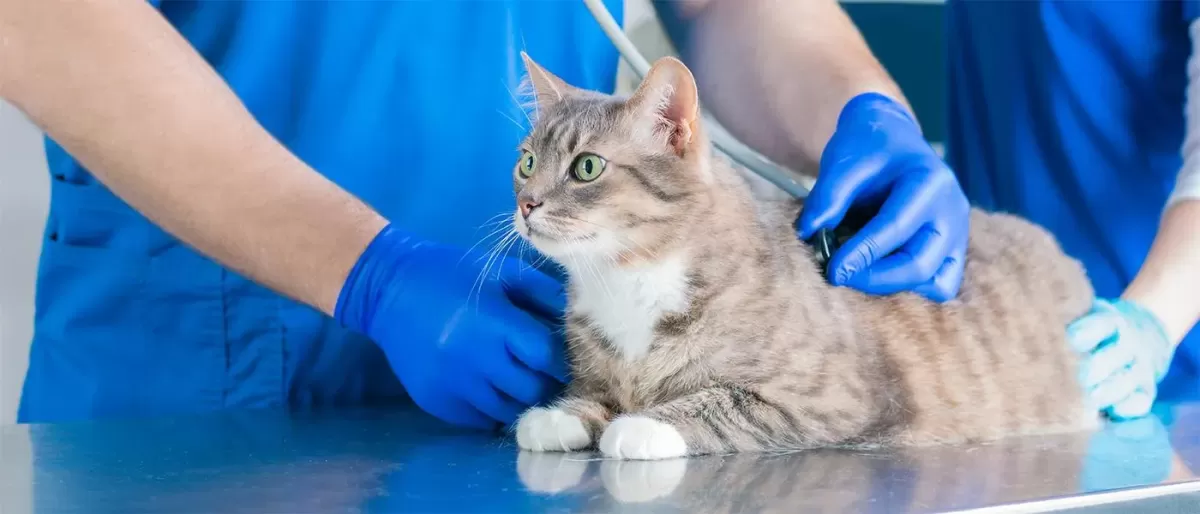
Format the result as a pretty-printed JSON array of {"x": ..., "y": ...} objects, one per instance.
[
  {"x": 1071, "y": 114},
  {"x": 407, "y": 104}
]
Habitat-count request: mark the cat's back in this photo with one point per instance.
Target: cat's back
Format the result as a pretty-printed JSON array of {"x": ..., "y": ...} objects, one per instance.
[
  {"x": 1008, "y": 259},
  {"x": 995, "y": 360},
  {"x": 1011, "y": 257}
]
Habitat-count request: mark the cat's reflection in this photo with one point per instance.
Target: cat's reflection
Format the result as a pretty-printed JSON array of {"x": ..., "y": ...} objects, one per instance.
[
  {"x": 927, "y": 479},
  {"x": 753, "y": 482}
]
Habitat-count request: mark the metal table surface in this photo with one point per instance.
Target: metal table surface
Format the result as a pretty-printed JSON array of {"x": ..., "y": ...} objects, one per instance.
[{"x": 399, "y": 460}]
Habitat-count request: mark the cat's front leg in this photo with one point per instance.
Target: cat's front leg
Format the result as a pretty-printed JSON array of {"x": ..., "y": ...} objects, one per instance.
[
  {"x": 722, "y": 419},
  {"x": 572, "y": 423}
]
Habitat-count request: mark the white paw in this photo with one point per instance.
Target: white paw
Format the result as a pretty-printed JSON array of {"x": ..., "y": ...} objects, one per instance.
[
  {"x": 641, "y": 438},
  {"x": 550, "y": 472},
  {"x": 642, "y": 481},
  {"x": 551, "y": 430}
]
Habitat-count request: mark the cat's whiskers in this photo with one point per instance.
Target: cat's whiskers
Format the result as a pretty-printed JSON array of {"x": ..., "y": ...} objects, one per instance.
[
  {"x": 509, "y": 118},
  {"x": 521, "y": 244},
  {"x": 535, "y": 264},
  {"x": 499, "y": 220},
  {"x": 505, "y": 223},
  {"x": 505, "y": 247},
  {"x": 496, "y": 254},
  {"x": 526, "y": 245},
  {"x": 503, "y": 226},
  {"x": 542, "y": 258}
]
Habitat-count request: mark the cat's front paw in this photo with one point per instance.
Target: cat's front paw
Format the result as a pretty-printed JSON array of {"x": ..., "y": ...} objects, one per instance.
[
  {"x": 641, "y": 438},
  {"x": 551, "y": 430}
]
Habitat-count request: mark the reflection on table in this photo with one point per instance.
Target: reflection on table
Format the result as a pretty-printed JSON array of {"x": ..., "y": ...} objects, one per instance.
[{"x": 400, "y": 460}]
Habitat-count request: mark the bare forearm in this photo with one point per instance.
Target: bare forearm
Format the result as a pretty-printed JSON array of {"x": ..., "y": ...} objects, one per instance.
[
  {"x": 117, "y": 86},
  {"x": 775, "y": 72},
  {"x": 1169, "y": 278}
]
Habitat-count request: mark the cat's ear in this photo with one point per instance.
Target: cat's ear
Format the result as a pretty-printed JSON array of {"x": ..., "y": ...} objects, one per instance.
[
  {"x": 547, "y": 88},
  {"x": 667, "y": 103}
]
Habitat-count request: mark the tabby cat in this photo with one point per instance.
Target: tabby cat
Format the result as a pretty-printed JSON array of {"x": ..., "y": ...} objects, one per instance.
[{"x": 697, "y": 323}]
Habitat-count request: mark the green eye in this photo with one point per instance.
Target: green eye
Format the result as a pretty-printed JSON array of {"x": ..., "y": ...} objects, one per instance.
[
  {"x": 588, "y": 167},
  {"x": 526, "y": 165}
]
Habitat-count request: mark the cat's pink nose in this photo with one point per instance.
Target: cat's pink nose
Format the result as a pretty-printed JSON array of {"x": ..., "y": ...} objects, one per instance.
[{"x": 527, "y": 207}]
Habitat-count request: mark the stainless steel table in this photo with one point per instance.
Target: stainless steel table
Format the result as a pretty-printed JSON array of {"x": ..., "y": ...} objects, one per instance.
[{"x": 398, "y": 460}]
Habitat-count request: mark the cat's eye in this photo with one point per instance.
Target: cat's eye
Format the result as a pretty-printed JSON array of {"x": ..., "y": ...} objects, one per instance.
[
  {"x": 588, "y": 166},
  {"x": 526, "y": 165}
]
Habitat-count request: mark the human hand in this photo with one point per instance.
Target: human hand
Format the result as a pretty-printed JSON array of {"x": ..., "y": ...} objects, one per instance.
[
  {"x": 878, "y": 159},
  {"x": 1126, "y": 353},
  {"x": 474, "y": 341}
]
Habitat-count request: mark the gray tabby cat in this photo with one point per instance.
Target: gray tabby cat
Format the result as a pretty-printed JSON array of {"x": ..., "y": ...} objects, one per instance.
[{"x": 697, "y": 323}]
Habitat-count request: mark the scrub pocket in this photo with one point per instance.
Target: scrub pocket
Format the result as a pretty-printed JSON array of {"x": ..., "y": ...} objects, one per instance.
[{"x": 127, "y": 322}]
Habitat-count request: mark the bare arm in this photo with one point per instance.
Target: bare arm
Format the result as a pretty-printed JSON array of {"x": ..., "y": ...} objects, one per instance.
[
  {"x": 1169, "y": 278},
  {"x": 776, "y": 73},
  {"x": 118, "y": 87}
]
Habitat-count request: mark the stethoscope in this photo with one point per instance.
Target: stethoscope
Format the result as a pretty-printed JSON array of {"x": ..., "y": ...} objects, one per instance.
[{"x": 825, "y": 242}]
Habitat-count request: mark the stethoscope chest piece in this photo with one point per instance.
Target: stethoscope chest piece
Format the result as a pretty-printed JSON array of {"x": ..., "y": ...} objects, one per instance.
[{"x": 824, "y": 243}]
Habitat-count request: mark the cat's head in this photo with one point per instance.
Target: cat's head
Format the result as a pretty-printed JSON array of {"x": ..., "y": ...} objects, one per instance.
[{"x": 607, "y": 178}]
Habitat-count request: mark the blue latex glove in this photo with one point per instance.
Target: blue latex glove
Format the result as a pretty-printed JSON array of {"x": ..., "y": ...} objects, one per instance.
[
  {"x": 1126, "y": 353},
  {"x": 470, "y": 349},
  {"x": 878, "y": 161}
]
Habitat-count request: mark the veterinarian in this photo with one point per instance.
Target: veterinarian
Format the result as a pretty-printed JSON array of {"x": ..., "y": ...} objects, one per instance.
[
  {"x": 1083, "y": 117},
  {"x": 264, "y": 204}
]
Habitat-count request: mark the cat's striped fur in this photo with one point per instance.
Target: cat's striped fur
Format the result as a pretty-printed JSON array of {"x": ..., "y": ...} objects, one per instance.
[{"x": 697, "y": 323}]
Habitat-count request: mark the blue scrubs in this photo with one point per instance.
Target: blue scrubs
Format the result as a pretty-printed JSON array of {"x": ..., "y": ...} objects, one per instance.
[
  {"x": 408, "y": 105},
  {"x": 1071, "y": 114}
]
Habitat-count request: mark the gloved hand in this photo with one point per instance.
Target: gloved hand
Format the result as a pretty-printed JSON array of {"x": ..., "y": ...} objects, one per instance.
[
  {"x": 878, "y": 160},
  {"x": 471, "y": 349},
  {"x": 1126, "y": 353}
]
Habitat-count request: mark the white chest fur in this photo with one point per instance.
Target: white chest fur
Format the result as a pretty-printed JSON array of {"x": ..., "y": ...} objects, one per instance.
[{"x": 626, "y": 303}]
